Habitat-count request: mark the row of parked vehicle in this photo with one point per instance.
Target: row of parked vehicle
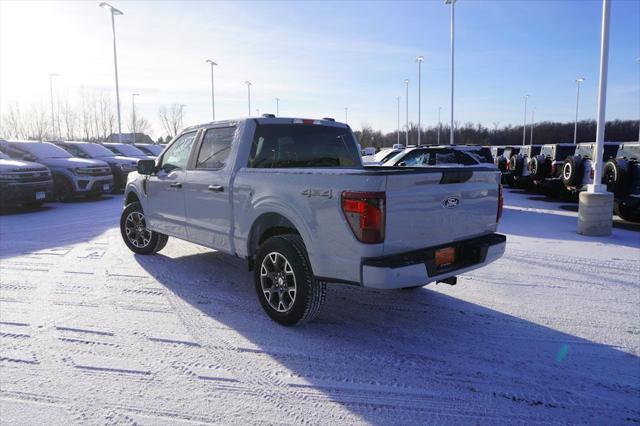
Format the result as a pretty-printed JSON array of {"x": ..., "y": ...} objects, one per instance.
[
  {"x": 563, "y": 170},
  {"x": 33, "y": 172}
]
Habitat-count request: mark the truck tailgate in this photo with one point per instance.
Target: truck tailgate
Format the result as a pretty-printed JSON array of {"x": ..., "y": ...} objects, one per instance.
[{"x": 436, "y": 206}]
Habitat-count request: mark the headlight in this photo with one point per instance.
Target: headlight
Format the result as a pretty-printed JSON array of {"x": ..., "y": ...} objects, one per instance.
[{"x": 128, "y": 167}]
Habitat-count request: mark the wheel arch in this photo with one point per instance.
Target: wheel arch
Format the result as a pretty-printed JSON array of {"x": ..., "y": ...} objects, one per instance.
[{"x": 265, "y": 226}]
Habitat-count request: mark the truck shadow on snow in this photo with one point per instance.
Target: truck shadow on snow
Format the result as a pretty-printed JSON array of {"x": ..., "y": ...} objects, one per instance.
[{"x": 416, "y": 355}]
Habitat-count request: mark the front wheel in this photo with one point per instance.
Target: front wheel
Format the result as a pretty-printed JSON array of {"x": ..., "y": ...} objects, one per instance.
[
  {"x": 135, "y": 234},
  {"x": 284, "y": 281}
]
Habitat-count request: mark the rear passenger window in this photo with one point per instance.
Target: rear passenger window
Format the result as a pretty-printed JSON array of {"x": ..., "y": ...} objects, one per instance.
[{"x": 215, "y": 148}]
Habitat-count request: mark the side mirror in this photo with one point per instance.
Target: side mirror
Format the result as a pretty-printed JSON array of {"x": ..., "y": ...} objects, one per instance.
[
  {"x": 146, "y": 167},
  {"x": 402, "y": 164}
]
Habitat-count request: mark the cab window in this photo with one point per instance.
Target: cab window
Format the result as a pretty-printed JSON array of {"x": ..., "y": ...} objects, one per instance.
[
  {"x": 177, "y": 156},
  {"x": 215, "y": 148}
]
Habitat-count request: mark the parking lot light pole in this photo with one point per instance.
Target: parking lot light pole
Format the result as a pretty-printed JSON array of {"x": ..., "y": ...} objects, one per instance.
[
  {"x": 638, "y": 61},
  {"x": 524, "y": 125},
  {"x": 53, "y": 121},
  {"x": 533, "y": 111},
  {"x": 133, "y": 115},
  {"x": 406, "y": 85},
  {"x": 213, "y": 96},
  {"x": 248, "y": 83},
  {"x": 439, "y": 124},
  {"x": 419, "y": 60},
  {"x": 277, "y": 107},
  {"x": 596, "y": 203},
  {"x": 346, "y": 115},
  {"x": 452, "y": 3},
  {"x": 575, "y": 125},
  {"x": 115, "y": 12},
  {"x": 398, "y": 99}
]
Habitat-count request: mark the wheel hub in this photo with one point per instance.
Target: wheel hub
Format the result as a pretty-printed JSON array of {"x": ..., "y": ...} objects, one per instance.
[{"x": 278, "y": 282}]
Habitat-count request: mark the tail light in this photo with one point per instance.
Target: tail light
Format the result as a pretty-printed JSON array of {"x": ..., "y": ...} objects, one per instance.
[
  {"x": 365, "y": 214},
  {"x": 592, "y": 173},
  {"x": 500, "y": 203},
  {"x": 554, "y": 168}
]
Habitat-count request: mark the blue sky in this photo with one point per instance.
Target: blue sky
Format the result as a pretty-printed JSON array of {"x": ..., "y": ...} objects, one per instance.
[{"x": 319, "y": 57}]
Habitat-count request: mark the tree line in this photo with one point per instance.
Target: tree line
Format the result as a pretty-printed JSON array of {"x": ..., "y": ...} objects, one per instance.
[
  {"x": 91, "y": 117},
  {"x": 477, "y": 134}
]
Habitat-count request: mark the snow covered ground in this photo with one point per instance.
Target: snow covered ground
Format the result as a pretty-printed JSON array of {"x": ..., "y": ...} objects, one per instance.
[{"x": 91, "y": 333}]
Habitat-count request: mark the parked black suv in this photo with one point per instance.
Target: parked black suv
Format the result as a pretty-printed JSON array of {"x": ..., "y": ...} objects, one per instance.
[
  {"x": 577, "y": 169},
  {"x": 622, "y": 177},
  {"x": 120, "y": 166},
  {"x": 546, "y": 168},
  {"x": 519, "y": 165},
  {"x": 23, "y": 183}
]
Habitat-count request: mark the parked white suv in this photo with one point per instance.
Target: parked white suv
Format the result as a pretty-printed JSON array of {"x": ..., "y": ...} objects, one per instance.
[{"x": 291, "y": 197}]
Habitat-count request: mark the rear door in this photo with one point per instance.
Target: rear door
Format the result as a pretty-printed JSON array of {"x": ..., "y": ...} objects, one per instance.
[
  {"x": 435, "y": 207},
  {"x": 207, "y": 192},
  {"x": 165, "y": 189}
]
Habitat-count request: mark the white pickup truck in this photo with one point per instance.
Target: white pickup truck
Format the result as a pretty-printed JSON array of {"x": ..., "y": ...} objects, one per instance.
[{"x": 292, "y": 197}]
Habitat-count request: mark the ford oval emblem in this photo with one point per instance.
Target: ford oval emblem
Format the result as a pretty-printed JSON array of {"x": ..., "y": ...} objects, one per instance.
[{"x": 450, "y": 202}]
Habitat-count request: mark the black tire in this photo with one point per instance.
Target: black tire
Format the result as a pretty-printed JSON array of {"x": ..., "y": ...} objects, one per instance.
[
  {"x": 616, "y": 176},
  {"x": 572, "y": 171},
  {"x": 281, "y": 265},
  {"x": 516, "y": 164},
  {"x": 136, "y": 236},
  {"x": 538, "y": 166},
  {"x": 626, "y": 212},
  {"x": 502, "y": 164},
  {"x": 62, "y": 190}
]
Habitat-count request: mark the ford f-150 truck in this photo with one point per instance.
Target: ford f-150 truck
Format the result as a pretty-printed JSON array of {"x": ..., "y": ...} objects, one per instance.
[{"x": 292, "y": 197}]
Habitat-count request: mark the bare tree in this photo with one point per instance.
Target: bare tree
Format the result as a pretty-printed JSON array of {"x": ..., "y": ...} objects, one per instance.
[
  {"x": 38, "y": 123},
  {"x": 13, "y": 124},
  {"x": 69, "y": 119},
  {"x": 171, "y": 118},
  {"x": 141, "y": 124}
]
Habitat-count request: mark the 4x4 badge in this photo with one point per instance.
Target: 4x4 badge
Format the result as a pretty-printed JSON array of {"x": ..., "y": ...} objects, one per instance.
[{"x": 450, "y": 202}]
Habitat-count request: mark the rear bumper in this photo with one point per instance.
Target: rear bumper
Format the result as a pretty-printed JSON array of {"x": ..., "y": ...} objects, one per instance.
[
  {"x": 418, "y": 267},
  {"x": 12, "y": 194}
]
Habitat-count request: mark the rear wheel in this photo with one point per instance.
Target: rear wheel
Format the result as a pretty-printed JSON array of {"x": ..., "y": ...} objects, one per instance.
[
  {"x": 572, "y": 171},
  {"x": 626, "y": 212},
  {"x": 135, "y": 234},
  {"x": 284, "y": 281}
]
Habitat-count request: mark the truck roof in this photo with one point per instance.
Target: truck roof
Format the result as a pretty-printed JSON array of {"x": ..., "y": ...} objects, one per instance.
[{"x": 271, "y": 120}]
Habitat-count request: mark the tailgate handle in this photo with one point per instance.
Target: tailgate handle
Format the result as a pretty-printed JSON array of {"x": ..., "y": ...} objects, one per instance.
[
  {"x": 215, "y": 188},
  {"x": 455, "y": 176},
  {"x": 176, "y": 185}
]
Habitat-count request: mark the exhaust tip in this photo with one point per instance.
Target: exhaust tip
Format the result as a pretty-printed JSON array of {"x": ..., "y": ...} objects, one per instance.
[{"x": 450, "y": 281}]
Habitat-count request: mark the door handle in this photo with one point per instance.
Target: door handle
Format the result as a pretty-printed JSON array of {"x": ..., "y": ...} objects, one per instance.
[
  {"x": 176, "y": 185},
  {"x": 216, "y": 188}
]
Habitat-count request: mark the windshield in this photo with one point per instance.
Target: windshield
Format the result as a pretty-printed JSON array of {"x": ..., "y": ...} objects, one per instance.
[
  {"x": 128, "y": 150},
  {"x": 151, "y": 149},
  {"x": 43, "y": 150},
  {"x": 94, "y": 150},
  {"x": 301, "y": 145},
  {"x": 433, "y": 157}
]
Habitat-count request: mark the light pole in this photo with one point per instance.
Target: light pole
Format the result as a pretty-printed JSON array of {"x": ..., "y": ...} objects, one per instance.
[
  {"x": 277, "y": 107},
  {"x": 452, "y": 3},
  {"x": 115, "y": 12},
  {"x": 575, "y": 125},
  {"x": 419, "y": 60},
  {"x": 533, "y": 110},
  {"x": 53, "y": 122},
  {"x": 398, "y": 99},
  {"x": 638, "y": 61},
  {"x": 133, "y": 115},
  {"x": 596, "y": 203},
  {"x": 258, "y": 112},
  {"x": 181, "y": 115},
  {"x": 524, "y": 125},
  {"x": 248, "y": 83},
  {"x": 406, "y": 85},
  {"x": 439, "y": 124},
  {"x": 213, "y": 98},
  {"x": 346, "y": 115}
]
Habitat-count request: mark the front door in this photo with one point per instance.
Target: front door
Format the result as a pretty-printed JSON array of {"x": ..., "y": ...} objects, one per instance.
[
  {"x": 165, "y": 189},
  {"x": 207, "y": 192}
]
